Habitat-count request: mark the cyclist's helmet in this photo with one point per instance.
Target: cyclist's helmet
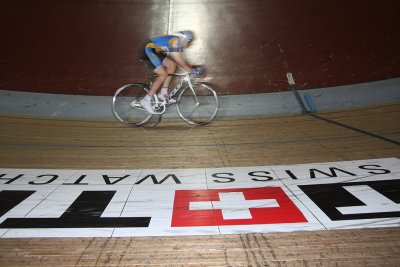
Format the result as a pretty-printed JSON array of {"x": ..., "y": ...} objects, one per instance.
[{"x": 186, "y": 36}]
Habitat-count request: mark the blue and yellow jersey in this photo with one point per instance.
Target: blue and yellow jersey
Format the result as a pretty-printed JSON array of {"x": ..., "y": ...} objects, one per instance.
[
  {"x": 166, "y": 43},
  {"x": 157, "y": 46}
]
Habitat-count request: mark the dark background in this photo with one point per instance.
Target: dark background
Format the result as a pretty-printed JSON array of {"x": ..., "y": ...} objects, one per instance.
[{"x": 90, "y": 47}]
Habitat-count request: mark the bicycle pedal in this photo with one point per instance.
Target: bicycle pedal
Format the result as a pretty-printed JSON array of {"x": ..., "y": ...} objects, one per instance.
[
  {"x": 135, "y": 104},
  {"x": 170, "y": 101}
]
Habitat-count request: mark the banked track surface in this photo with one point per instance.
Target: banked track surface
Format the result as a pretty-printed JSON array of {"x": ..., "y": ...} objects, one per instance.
[{"x": 72, "y": 144}]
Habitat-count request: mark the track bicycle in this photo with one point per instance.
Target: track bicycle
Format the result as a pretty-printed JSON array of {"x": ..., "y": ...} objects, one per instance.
[{"x": 197, "y": 103}]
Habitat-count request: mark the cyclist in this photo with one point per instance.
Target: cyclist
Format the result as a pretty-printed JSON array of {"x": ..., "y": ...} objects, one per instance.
[{"x": 156, "y": 50}]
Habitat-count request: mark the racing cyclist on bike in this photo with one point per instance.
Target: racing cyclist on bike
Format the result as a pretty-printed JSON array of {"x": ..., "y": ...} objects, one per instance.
[{"x": 156, "y": 50}]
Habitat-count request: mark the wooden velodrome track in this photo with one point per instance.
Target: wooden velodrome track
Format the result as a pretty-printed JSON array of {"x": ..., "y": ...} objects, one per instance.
[{"x": 65, "y": 144}]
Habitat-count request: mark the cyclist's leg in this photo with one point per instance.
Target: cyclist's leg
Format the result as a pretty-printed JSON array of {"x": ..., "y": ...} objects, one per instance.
[
  {"x": 160, "y": 70},
  {"x": 159, "y": 80},
  {"x": 171, "y": 67},
  {"x": 161, "y": 73}
]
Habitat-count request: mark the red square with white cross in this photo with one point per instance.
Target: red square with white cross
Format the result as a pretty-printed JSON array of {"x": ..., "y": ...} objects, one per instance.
[{"x": 238, "y": 206}]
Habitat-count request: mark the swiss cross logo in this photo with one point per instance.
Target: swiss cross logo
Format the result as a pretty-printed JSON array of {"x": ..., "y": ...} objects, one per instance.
[{"x": 240, "y": 206}]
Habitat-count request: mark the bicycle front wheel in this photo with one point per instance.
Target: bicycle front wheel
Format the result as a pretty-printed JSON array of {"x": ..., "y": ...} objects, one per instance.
[
  {"x": 126, "y": 105},
  {"x": 198, "y": 106}
]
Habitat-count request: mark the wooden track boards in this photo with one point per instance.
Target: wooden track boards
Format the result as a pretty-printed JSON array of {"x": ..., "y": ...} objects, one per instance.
[
  {"x": 370, "y": 247},
  {"x": 64, "y": 144},
  {"x": 46, "y": 143}
]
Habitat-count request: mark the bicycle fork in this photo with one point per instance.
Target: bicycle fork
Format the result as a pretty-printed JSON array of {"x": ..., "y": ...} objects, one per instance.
[{"x": 187, "y": 78}]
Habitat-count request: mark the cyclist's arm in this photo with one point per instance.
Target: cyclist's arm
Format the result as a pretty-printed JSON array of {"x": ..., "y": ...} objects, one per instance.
[{"x": 180, "y": 60}]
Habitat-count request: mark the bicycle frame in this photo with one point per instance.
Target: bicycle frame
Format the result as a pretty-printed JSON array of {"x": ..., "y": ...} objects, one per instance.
[
  {"x": 181, "y": 83},
  {"x": 176, "y": 89},
  {"x": 185, "y": 78}
]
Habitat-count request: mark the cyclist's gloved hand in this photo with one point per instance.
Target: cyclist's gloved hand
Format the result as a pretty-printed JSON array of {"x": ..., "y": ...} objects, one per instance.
[{"x": 198, "y": 71}]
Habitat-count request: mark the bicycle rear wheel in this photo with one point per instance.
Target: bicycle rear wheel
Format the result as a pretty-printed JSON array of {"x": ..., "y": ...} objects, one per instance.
[
  {"x": 126, "y": 105},
  {"x": 198, "y": 106}
]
